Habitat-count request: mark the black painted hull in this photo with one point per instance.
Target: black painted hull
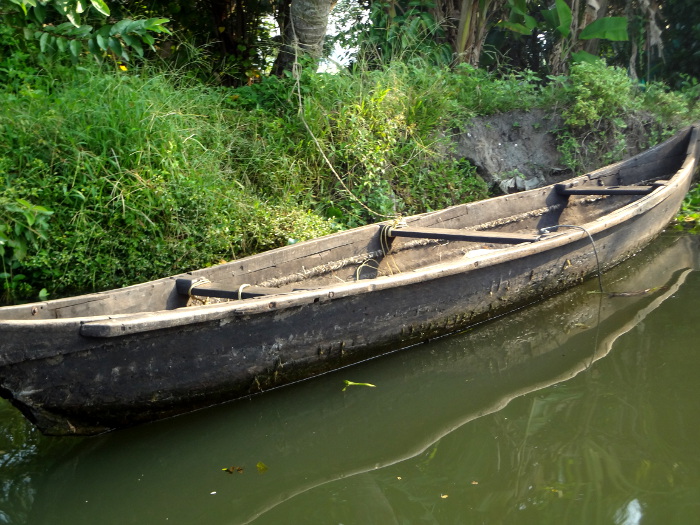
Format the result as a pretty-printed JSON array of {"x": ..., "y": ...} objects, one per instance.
[{"x": 94, "y": 363}]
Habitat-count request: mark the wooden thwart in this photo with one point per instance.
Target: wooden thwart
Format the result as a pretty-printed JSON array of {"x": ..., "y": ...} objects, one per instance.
[
  {"x": 204, "y": 288},
  {"x": 566, "y": 189},
  {"x": 461, "y": 235}
]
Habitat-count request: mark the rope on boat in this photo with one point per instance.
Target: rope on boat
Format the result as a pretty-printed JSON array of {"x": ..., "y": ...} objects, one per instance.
[
  {"x": 368, "y": 263},
  {"x": 240, "y": 290},
  {"x": 197, "y": 282},
  {"x": 386, "y": 245},
  {"x": 590, "y": 238}
]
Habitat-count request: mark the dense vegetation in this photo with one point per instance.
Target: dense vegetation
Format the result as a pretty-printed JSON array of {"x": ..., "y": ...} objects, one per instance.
[{"x": 114, "y": 173}]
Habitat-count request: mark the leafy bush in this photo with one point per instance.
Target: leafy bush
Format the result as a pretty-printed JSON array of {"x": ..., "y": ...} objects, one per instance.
[{"x": 598, "y": 92}]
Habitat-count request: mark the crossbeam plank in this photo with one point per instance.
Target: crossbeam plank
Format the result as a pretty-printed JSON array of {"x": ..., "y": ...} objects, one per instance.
[
  {"x": 567, "y": 189},
  {"x": 462, "y": 235},
  {"x": 201, "y": 288},
  {"x": 606, "y": 190}
]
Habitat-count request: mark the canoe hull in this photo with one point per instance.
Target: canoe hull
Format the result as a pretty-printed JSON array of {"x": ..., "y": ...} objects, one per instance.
[{"x": 67, "y": 383}]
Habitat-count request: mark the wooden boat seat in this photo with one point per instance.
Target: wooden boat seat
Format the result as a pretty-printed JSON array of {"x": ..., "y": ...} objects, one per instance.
[
  {"x": 460, "y": 235},
  {"x": 572, "y": 189},
  {"x": 205, "y": 288}
]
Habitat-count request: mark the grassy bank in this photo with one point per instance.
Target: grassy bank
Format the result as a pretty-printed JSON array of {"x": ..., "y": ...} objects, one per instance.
[{"x": 113, "y": 177}]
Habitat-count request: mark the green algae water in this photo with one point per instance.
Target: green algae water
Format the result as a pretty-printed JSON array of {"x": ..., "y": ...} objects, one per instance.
[{"x": 582, "y": 408}]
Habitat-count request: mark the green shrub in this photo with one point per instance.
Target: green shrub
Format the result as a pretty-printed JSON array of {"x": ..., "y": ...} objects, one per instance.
[
  {"x": 689, "y": 216},
  {"x": 598, "y": 92}
]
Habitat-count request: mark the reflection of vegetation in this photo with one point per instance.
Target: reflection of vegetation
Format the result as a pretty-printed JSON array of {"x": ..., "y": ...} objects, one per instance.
[
  {"x": 23, "y": 453},
  {"x": 615, "y": 442},
  {"x": 18, "y": 445}
]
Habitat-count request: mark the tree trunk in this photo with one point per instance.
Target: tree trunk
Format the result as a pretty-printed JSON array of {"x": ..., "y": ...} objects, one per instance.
[
  {"x": 303, "y": 25},
  {"x": 475, "y": 20}
]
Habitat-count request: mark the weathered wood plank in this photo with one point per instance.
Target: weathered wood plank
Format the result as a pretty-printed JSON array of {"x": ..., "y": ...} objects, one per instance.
[
  {"x": 462, "y": 235},
  {"x": 586, "y": 189},
  {"x": 203, "y": 288},
  {"x": 604, "y": 190}
]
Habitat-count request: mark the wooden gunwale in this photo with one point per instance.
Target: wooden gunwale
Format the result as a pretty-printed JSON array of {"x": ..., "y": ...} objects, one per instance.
[{"x": 137, "y": 323}]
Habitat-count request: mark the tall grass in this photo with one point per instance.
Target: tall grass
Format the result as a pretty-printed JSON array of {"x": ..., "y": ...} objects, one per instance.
[
  {"x": 142, "y": 180},
  {"x": 109, "y": 178}
]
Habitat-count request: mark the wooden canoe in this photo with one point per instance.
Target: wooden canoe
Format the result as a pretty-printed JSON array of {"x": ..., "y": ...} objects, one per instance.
[
  {"x": 463, "y": 378},
  {"x": 93, "y": 363}
]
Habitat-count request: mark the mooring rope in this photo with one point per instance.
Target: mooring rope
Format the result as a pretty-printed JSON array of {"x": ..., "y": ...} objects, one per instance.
[
  {"x": 296, "y": 73},
  {"x": 590, "y": 238},
  {"x": 240, "y": 290}
]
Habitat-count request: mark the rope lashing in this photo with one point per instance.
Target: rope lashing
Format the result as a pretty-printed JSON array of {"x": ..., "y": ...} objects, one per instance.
[
  {"x": 590, "y": 238},
  {"x": 240, "y": 290}
]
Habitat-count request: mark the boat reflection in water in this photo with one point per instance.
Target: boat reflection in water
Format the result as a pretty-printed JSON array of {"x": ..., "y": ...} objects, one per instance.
[{"x": 280, "y": 445}]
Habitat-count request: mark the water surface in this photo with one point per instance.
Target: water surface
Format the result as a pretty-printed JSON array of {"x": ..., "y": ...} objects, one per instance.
[{"x": 580, "y": 409}]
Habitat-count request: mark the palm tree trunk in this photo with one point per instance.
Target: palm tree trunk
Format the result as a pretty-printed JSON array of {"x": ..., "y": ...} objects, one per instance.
[{"x": 303, "y": 29}]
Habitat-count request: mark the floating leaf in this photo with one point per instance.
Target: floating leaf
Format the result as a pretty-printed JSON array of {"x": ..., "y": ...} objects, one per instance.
[
  {"x": 352, "y": 383},
  {"x": 262, "y": 468},
  {"x": 234, "y": 469}
]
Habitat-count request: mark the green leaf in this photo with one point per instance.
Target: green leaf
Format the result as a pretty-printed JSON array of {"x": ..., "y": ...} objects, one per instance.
[
  {"x": 62, "y": 44},
  {"x": 75, "y": 48},
  {"x": 61, "y": 6},
  {"x": 530, "y": 22},
  {"x": 156, "y": 25},
  {"x": 352, "y": 383},
  {"x": 564, "y": 16},
  {"x": 515, "y": 27},
  {"x": 93, "y": 47},
  {"x": 610, "y": 28},
  {"x": 550, "y": 17},
  {"x": 101, "y": 42},
  {"x": 116, "y": 46},
  {"x": 136, "y": 26},
  {"x": 134, "y": 43},
  {"x": 21, "y": 4},
  {"x": 43, "y": 42},
  {"x": 63, "y": 28},
  {"x": 118, "y": 28},
  {"x": 100, "y": 6},
  {"x": 39, "y": 13},
  {"x": 73, "y": 17},
  {"x": 80, "y": 32},
  {"x": 105, "y": 30},
  {"x": 584, "y": 56}
]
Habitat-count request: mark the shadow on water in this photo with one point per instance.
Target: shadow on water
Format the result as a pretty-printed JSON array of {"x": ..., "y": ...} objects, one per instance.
[{"x": 400, "y": 452}]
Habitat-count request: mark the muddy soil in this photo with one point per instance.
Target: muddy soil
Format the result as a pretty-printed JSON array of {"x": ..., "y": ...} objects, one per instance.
[{"x": 519, "y": 150}]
